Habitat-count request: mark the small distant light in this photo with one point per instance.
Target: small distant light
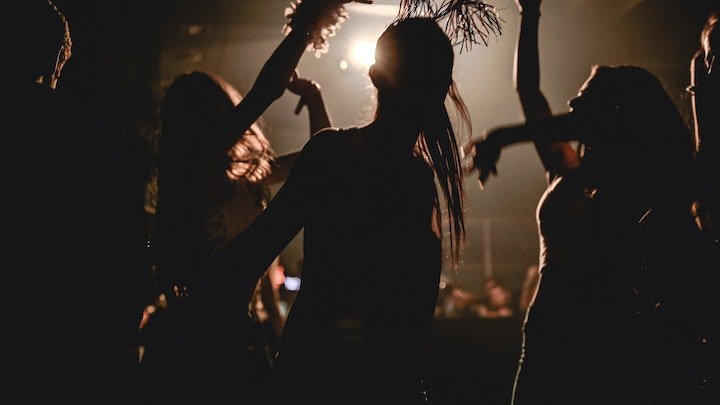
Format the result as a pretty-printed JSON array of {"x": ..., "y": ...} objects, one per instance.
[
  {"x": 292, "y": 283},
  {"x": 443, "y": 285},
  {"x": 343, "y": 64},
  {"x": 194, "y": 30}
]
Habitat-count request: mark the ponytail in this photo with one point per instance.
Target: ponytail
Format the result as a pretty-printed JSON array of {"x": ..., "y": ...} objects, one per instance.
[{"x": 438, "y": 144}]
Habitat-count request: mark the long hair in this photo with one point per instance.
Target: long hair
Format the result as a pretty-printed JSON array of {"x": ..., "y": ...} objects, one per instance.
[
  {"x": 192, "y": 144},
  {"x": 193, "y": 107},
  {"x": 650, "y": 128},
  {"x": 417, "y": 59}
]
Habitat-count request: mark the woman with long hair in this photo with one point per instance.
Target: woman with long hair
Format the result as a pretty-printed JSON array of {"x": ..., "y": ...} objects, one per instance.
[
  {"x": 211, "y": 189},
  {"x": 214, "y": 168},
  {"x": 367, "y": 202},
  {"x": 632, "y": 177}
]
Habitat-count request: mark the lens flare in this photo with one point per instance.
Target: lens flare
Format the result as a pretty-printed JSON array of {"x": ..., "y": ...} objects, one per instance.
[{"x": 363, "y": 54}]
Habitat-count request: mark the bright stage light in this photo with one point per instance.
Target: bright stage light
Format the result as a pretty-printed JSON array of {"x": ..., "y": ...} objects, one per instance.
[{"x": 363, "y": 53}]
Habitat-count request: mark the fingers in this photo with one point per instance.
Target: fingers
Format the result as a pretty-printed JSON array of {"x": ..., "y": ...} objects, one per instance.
[
  {"x": 468, "y": 149},
  {"x": 484, "y": 175},
  {"x": 468, "y": 167}
]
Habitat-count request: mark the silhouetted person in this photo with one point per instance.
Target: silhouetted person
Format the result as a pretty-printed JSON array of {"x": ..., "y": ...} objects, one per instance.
[
  {"x": 498, "y": 300},
  {"x": 366, "y": 198},
  {"x": 213, "y": 182},
  {"x": 705, "y": 95},
  {"x": 583, "y": 342},
  {"x": 705, "y": 92},
  {"x": 71, "y": 226},
  {"x": 215, "y": 167}
]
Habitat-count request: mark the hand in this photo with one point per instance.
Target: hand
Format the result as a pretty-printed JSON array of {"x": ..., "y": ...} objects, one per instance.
[
  {"x": 485, "y": 153},
  {"x": 528, "y": 5},
  {"x": 306, "y": 89}
]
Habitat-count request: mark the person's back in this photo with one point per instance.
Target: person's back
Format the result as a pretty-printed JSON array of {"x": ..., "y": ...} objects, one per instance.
[
  {"x": 72, "y": 250},
  {"x": 370, "y": 274},
  {"x": 367, "y": 201},
  {"x": 72, "y": 232}
]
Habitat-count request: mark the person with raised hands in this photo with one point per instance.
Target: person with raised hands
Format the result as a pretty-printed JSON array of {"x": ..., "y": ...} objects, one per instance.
[
  {"x": 215, "y": 166},
  {"x": 629, "y": 186}
]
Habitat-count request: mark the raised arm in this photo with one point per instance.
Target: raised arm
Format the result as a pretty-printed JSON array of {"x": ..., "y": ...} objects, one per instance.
[
  {"x": 311, "y": 96},
  {"x": 277, "y": 71},
  {"x": 556, "y": 157},
  {"x": 268, "y": 87}
]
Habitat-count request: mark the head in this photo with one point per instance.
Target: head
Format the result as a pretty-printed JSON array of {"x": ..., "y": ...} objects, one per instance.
[
  {"x": 191, "y": 113},
  {"x": 490, "y": 283},
  {"x": 499, "y": 296},
  {"x": 633, "y": 132},
  {"x": 40, "y": 42},
  {"x": 413, "y": 77},
  {"x": 710, "y": 44},
  {"x": 414, "y": 64}
]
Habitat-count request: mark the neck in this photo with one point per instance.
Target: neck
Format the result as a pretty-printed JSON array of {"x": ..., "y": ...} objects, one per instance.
[{"x": 396, "y": 129}]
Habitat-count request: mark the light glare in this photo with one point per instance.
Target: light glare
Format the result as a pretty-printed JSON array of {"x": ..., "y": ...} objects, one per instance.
[{"x": 363, "y": 54}]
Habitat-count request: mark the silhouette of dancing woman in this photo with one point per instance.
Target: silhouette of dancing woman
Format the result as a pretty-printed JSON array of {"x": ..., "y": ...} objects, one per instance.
[
  {"x": 582, "y": 339},
  {"x": 214, "y": 169},
  {"x": 367, "y": 202}
]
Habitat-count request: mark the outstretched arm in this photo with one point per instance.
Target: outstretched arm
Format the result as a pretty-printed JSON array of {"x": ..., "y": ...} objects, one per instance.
[
  {"x": 556, "y": 156},
  {"x": 555, "y": 130}
]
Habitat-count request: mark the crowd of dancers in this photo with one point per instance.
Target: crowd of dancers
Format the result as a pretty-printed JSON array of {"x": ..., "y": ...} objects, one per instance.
[{"x": 623, "y": 313}]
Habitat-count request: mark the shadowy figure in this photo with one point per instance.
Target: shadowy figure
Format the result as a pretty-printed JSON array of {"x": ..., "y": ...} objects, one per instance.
[
  {"x": 214, "y": 169},
  {"x": 630, "y": 186},
  {"x": 705, "y": 95},
  {"x": 705, "y": 92},
  {"x": 72, "y": 233},
  {"x": 366, "y": 198},
  {"x": 497, "y": 302}
]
